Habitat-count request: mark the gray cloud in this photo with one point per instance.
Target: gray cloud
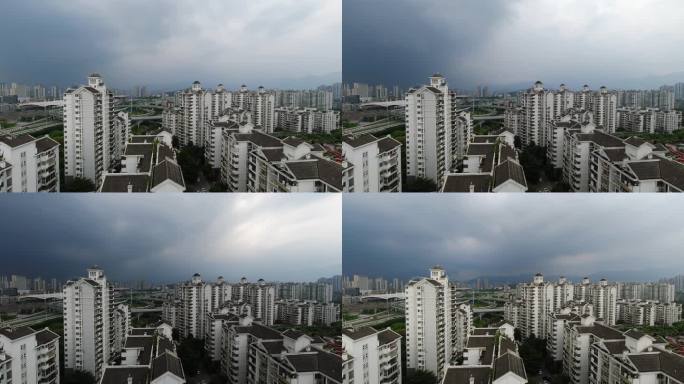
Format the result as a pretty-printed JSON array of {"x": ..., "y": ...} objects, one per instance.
[
  {"x": 509, "y": 43},
  {"x": 166, "y": 43},
  {"x": 495, "y": 235},
  {"x": 168, "y": 238}
]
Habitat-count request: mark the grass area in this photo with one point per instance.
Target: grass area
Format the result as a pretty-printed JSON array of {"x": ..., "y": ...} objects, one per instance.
[
  {"x": 397, "y": 325},
  {"x": 55, "y": 325},
  {"x": 5, "y": 124},
  {"x": 676, "y": 137},
  {"x": 333, "y": 330},
  {"x": 334, "y": 137},
  {"x": 486, "y": 127},
  {"x": 349, "y": 317},
  {"x": 676, "y": 329}
]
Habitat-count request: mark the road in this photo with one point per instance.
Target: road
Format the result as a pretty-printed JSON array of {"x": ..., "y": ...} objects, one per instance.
[
  {"x": 372, "y": 320},
  {"x": 31, "y": 320}
]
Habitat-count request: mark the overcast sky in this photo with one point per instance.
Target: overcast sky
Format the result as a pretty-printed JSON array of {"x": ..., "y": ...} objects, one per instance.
[
  {"x": 618, "y": 236},
  {"x": 635, "y": 43},
  {"x": 275, "y": 43},
  {"x": 167, "y": 238}
]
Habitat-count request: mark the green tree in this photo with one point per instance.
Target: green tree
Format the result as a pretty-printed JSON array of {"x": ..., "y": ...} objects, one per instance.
[
  {"x": 72, "y": 376},
  {"x": 419, "y": 184},
  {"x": 420, "y": 376},
  {"x": 79, "y": 184}
]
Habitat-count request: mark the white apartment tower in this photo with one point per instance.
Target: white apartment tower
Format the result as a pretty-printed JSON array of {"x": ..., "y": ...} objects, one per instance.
[
  {"x": 436, "y": 326},
  {"x": 371, "y": 356},
  {"x": 435, "y": 138},
  {"x": 194, "y": 304},
  {"x": 604, "y": 299},
  {"x": 537, "y": 111},
  {"x": 264, "y": 110},
  {"x": 605, "y": 110},
  {"x": 28, "y": 356},
  {"x": 88, "y": 323},
  {"x": 88, "y": 130}
]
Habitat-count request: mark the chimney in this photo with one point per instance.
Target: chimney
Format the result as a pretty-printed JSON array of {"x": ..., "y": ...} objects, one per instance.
[
  {"x": 471, "y": 189},
  {"x": 471, "y": 379},
  {"x": 129, "y": 188},
  {"x": 130, "y": 379},
  {"x": 2, "y": 354}
]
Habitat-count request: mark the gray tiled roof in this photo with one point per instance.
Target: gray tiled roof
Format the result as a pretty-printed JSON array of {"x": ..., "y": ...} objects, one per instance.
[
  {"x": 509, "y": 170},
  {"x": 167, "y": 170},
  {"x": 118, "y": 182},
  {"x": 167, "y": 362},
  {"x": 509, "y": 362},
  {"x": 461, "y": 182}
]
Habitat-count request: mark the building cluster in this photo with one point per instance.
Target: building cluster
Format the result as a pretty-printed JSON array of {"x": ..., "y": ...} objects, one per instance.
[
  {"x": 490, "y": 356},
  {"x": 321, "y": 99},
  {"x": 537, "y": 306},
  {"x": 591, "y": 351},
  {"x": 649, "y": 120},
  {"x": 190, "y": 116},
  {"x": 361, "y": 92},
  {"x": 593, "y": 160},
  {"x": 364, "y": 284},
  {"x": 94, "y": 326},
  {"x": 147, "y": 355},
  {"x": 148, "y": 164},
  {"x": 490, "y": 164},
  {"x": 249, "y": 351},
  {"x": 29, "y": 356},
  {"x": 306, "y": 120},
  {"x": 438, "y": 131},
  {"x": 438, "y": 324},
  {"x": 24, "y": 284},
  {"x": 195, "y": 304},
  {"x": 27, "y": 91},
  {"x": 371, "y": 356},
  {"x": 251, "y": 160},
  {"x": 371, "y": 164},
  {"x": 29, "y": 164}
]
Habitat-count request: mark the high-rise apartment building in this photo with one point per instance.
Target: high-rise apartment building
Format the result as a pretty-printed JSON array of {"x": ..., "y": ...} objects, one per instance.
[
  {"x": 28, "y": 356},
  {"x": 373, "y": 164},
  {"x": 29, "y": 164},
  {"x": 89, "y": 337},
  {"x": 437, "y": 325},
  {"x": 89, "y": 130},
  {"x": 437, "y": 133},
  {"x": 371, "y": 356}
]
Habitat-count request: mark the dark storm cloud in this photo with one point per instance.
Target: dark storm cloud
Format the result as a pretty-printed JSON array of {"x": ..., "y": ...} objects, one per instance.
[
  {"x": 168, "y": 238},
  {"x": 277, "y": 43},
  {"x": 630, "y": 237},
  {"x": 403, "y": 42},
  {"x": 509, "y": 44}
]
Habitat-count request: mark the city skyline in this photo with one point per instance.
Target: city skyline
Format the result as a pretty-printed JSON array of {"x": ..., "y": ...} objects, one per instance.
[
  {"x": 296, "y": 45},
  {"x": 508, "y": 45},
  {"x": 168, "y": 239},
  {"x": 482, "y": 235}
]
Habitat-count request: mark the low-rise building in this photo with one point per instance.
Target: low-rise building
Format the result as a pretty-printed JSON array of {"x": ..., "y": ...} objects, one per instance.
[
  {"x": 148, "y": 164},
  {"x": 372, "y": 164},
  {"x": 490, "y": 165},
  {"x": 29, "y": 356},
  {"x": 29, "y": 164},
  {"x": 371, "y": 356}
]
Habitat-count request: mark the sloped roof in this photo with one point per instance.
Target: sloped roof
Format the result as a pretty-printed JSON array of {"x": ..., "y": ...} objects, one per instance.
[
  {"x": 509, "y": 362},
  {"x": 460, "y": 182},
  {"x": 509, "y": 170},
  {"x": 167, "y": 362},
  {"x": 118, "y": 182},
  {"x": 167, "y": 170},
  {"x": 45, "y": 143},
  {"x": 359, "y": 140}
]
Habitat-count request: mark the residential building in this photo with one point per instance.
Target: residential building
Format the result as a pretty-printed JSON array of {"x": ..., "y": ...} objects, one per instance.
[
  {"x": 148, "y": 357},
  {"x": 372, "y": 164},
  {"x": 89, "y": 337},
  {"x": 89, "y": 134},
  {"x": 148, "y": 164},
  {"x": 490, "y": 165},
  {"x": 437, "y": 325},
  {"x": 28, "y": 356},
  {"x": 437, "y": 133},
  {"x": 29, "y": 164},
  {"x": 491, "y": 357},
  {"x": 371, "y": 356}
]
